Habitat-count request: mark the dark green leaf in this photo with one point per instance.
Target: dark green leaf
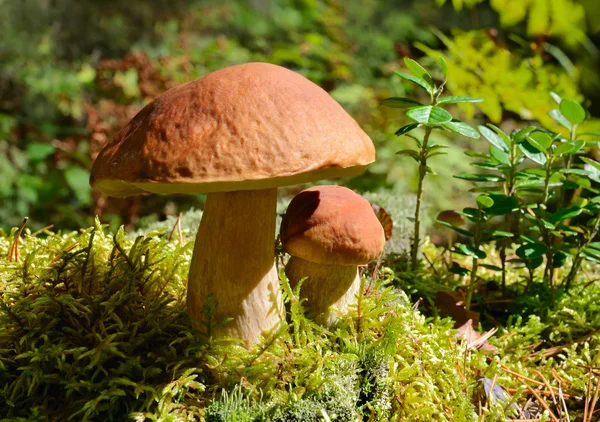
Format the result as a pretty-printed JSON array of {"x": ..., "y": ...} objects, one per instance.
[
  {"x": 491, "y": 267},
  {"x": 454, "y": 99},
  {"x": 462, "y": 128},
  {"x": 400, "y": 102},
  {"x": 559, "y": 259},
  {"x": 572, "y": 111},
  {"x": 429, "y": 115},
  {"x": 531, "y": 250},
  {"x": 410, "y": 153},
  {"x": 405, "y": 129},
  {"x": 457, "y": 269},
  {"x": 565, "y": 213},
  {"x": 503, "y": 205},
  {"x": 479, "y": 177}
]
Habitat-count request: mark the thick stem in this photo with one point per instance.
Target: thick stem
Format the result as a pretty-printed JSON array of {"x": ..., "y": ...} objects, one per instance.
[
  {"x": 422, "y": 173},
  {"x": 326, "y": 287},
  {"x": 234, "y": 260}
]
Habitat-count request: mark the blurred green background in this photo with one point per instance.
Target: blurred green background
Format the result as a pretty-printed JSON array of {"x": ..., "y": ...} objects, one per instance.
[{"x": 73, "y": 72}]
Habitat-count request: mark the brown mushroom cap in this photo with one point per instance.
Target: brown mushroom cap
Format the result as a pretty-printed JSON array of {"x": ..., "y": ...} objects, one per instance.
[
  {"x": 245, "y": 127},
  {"x": 332, "y": 225},
  {"x": 451, "y": 217}
]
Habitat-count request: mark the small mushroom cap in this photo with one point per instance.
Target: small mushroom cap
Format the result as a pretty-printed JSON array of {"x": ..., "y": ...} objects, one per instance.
[
  {"x": 451, "y": 217},
  {"x": 332, "y": 225},
  {"x": 244, "y": 127}
]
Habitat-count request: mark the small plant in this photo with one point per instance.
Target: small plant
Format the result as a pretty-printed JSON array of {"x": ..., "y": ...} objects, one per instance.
[
  {"x": 431, "y": 116},
  {"x": 523, "y": 173}
]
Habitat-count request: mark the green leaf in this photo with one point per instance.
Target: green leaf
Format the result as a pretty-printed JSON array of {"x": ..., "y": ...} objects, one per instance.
[
  {"x": 461, "y": 128},
  {"x": 455, "y": 99},
  {"x": 521, "y": 134},
  {"x": 503, "y": 205},
  {"x": 559, "y": 259},
  {"x": 484, "y": 201},
  {"x": 429, "y": 115},
  {"x": 500, "y": 233},
  {"x": 418, "y": 70},
  {"x": 415, "y": 79},
  {"x": 532, "y": 153},
  {"x": 405, "y": 129},
  {"x": 540, "y": 140},
  {"x": 491, "y": 267},
  {"x": 570, "y": 147},
  {"x": 444, "y": 67},
  {"x": 400, "y": 102},
  {"x": 531, "y": 250},
  {"x": 572, "y": 111},
  {"x": 557, "y": 116},
  {"x": 500, "y": 155},
  {"x": 592, "y": 163},
  {"x": 410, "y": 153},
  {"x": 493, "y": 138},
  {"x": 37, "y": 151},
  {"x": 457, "y": 269},
  {"x": 589, "y": 134},
  {"x": 555, "y": 97},
  {"x": 479, "y": 177},
  {"x": 471, "y": 251},
  {"x": 565, "y": 213},
  {"x": 455, "y": 228},
  {"x": 476, "y": 154}
]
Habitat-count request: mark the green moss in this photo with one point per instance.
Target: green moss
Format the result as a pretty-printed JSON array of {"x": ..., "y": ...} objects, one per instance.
[{"x": 93, "y": 327}]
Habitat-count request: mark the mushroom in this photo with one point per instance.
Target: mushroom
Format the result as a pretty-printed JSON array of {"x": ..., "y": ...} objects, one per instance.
[
  {"x": 329, "y": 231},
  {"x": 455, "y": 219},
  {"x": 236, "y": 134}
]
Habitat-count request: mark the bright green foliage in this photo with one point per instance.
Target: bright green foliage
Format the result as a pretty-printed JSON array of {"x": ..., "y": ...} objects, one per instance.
[{"x": 479, "y": 67}]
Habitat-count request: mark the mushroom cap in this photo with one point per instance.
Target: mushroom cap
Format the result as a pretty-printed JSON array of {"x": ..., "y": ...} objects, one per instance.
[
  {"x": 332, "y": 225},
  {"x": 244, "y": 127},
  {"x": 451, "y": 217}
]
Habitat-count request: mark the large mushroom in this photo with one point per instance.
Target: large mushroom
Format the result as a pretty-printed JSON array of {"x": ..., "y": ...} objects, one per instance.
[
  {"x": 236, "y": 134},
  {"x": 329, "y": 231}
]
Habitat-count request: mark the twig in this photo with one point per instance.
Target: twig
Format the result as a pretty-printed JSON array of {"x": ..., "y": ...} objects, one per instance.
[
  {"x": 43, "y": 229},
  {"x": 14, "y": 253},
  {"x": 594, "y": 400},
  {"x": 562, "y": 401},
  {"x": 587, "y": 397}
]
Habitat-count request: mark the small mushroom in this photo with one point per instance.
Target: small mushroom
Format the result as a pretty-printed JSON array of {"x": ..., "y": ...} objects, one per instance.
[
  {"x": 454, "y": 218},
  {"x": 329, "y": 231},
  {"x": 236, "y": 134}
]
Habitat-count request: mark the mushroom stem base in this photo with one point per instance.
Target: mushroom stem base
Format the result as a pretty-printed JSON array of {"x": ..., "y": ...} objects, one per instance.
[
  {"x": 234, "y": 261},
  {"x": 326, "y": 287}
]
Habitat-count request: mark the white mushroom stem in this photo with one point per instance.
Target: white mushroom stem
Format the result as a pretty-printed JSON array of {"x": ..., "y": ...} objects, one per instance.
[
  {"x": 234, "y": 260},
  {"x": 328, "y": 287}
]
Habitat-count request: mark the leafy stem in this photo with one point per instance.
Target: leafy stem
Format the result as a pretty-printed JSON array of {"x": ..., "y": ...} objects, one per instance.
[{"x": 422, "y": 174}]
